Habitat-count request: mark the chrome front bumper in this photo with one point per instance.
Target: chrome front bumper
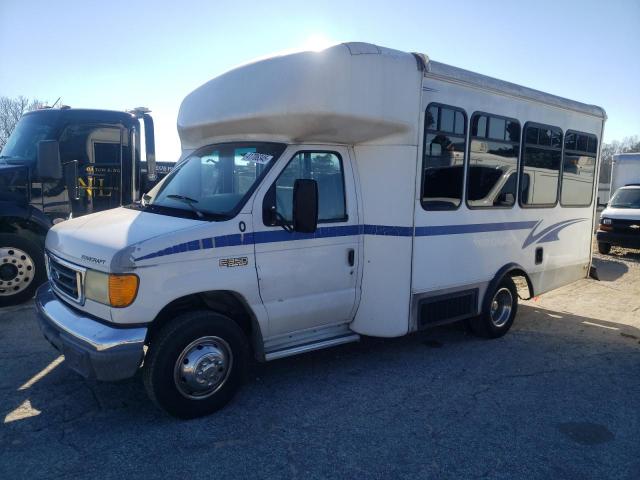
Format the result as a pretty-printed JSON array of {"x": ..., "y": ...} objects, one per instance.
[{"x": 91, "y": 348}]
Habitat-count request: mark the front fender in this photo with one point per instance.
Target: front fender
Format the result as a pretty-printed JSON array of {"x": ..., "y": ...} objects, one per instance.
[{"x": 21, "y": 219}]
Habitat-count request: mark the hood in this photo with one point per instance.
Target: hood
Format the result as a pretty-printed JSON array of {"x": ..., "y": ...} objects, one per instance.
[
  {"x": 621, "y": 213},
  {"x": 96, "y": 240},
  {"x": 6, "y": 168}
]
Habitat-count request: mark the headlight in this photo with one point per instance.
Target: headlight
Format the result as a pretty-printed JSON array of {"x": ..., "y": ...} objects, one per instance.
[
  {"x": 111, "y": 289},
  {"x": 96, "y": 286},
  {"x": 605, "y": 221}
]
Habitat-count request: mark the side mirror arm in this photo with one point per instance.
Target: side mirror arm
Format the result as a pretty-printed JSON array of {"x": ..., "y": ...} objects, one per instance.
[{"x": 280, "y": 220}]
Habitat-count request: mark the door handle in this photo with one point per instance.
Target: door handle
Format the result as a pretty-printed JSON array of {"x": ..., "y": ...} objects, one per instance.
[{"x": 351, "y": 257}]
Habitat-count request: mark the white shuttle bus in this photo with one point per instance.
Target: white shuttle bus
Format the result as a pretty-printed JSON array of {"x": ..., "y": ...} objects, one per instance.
[{"x": 322, "y": 196}]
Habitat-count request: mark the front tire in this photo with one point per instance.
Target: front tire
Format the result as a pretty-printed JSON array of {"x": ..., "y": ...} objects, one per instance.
[
  {"x": 195, "y": 364},
  {"x": 499, "y": 311},
  {"x": 604, "y": 248},
  {"x": 22, "y": 268}
]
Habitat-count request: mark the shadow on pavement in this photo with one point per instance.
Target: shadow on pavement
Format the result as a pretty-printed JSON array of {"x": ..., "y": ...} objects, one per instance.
[
  {"x": 557, "y": 396},
  {"x": 609, "y": 269}
]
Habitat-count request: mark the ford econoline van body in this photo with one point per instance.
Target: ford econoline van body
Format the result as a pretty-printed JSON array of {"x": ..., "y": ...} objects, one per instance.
[{"x": 322, "y": 196}]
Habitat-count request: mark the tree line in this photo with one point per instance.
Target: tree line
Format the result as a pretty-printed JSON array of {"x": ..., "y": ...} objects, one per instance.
[{"x": 11, "y": 109}]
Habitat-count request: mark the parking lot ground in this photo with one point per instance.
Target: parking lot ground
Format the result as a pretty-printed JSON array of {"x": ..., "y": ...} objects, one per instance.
[{"x": 558, "y": 397}]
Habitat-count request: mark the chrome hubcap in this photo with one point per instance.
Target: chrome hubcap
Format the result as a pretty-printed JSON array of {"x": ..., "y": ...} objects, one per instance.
[
  {"x": 16, "y": 271},
  {"x": 203, "y": 367},
  {"x": 501, "y": 307}
]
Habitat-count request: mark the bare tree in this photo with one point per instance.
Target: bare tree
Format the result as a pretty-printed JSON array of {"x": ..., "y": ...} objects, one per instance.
[{"x": 11, "y": 109}]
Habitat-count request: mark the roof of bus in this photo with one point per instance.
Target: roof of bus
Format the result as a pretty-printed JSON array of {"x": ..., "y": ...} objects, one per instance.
[
  {"x": 447, "y": 72},
  {"x": 348, "y": 93}
]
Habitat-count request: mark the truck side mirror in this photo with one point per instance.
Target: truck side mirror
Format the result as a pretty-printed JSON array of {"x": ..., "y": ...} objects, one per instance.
[
  {"x": 49, "y": 166},
  {"x": 150, "y": 147},
  {"x": 305, "y": 206}
]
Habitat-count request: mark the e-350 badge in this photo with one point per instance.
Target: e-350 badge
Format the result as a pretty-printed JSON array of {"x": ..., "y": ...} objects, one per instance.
[{"x": 234, "y": 262}]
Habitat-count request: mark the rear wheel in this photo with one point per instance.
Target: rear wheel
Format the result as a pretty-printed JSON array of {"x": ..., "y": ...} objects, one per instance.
[
  {"x": 21, "y": 268},
  {"x": 604, "y": 248},
  {"x": 499, "y": 311},
  {"x": 195, "y": 364}
]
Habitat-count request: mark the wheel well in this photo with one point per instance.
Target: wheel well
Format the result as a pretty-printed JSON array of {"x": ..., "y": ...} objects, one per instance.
[
  {"x": 518, "y": 275},
  {"x": 20, "y": 226},
  {"x": 225, "y": 302},
  {"x": 523, "y": 283}
]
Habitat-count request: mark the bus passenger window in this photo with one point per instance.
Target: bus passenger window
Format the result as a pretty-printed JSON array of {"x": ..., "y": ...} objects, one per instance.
[
  {"x": 493, "y": 161},
  {"x": 578, "y": 169},
  {"x": 443, "y": 157},
  {"x": 541, "y": 162}
]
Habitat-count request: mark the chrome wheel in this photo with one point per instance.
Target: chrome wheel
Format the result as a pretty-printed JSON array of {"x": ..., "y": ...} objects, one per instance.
[
  {"x": 203, "y": 367},
  {"x": 501, "y": 307},
  {"x": 17, "y": 270}
]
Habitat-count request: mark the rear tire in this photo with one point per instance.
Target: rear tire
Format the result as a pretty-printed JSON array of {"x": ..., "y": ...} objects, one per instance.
[
  {"x": 195, "y": 364},
  {"x": 22, "y": 268},
  {"x": 604, "y": 248},
  {"x": 499, "y": 311}
]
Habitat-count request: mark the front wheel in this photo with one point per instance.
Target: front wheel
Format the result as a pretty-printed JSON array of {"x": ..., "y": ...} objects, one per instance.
[
  {"x": 22, "y": 268},
  {"x": 195, "y": 364},
  {"x": 499, "y": 311}
]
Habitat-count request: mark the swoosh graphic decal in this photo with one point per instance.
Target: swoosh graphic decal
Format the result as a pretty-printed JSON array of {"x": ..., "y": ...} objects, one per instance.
[{"x": 550, "y": 233}]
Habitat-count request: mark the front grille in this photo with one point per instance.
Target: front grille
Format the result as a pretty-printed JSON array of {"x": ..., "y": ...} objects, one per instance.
[
  {"x": 625, "y": 226},
  {"x": 65, "y": 278}
]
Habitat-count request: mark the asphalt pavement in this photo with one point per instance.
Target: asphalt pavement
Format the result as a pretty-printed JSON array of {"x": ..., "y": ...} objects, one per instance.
[{"x": 558, "y": 397}]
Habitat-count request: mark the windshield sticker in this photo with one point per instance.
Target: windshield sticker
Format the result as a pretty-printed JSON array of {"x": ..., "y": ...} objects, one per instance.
[{"x": 260, "y": 158}]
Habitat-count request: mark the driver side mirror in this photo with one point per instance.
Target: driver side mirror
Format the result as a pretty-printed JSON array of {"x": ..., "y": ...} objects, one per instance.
[
  {"x": 49, "y": 166},
  {"x": 305, "y": 206}
]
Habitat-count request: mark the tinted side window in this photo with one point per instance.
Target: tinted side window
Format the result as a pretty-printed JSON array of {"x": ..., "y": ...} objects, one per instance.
[
  {"x": 443, "y": 157},
  {"x": 541, "y": 162},
  {"x": 104, "y": 152},
  {"x": 493, "y": 161},
  {"x": 93, "y": 144},
  {"x": 578, "y": 169},
  {"x": 326, "y": 169}
]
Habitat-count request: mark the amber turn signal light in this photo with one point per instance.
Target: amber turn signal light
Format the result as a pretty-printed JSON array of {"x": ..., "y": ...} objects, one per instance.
[{"x": 122, "y": 290}]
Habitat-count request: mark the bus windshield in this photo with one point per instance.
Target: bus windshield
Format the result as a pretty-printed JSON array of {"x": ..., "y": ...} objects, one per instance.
[
  {"x": 22, "y": 145},
  {"x": 214, "y": 181}
]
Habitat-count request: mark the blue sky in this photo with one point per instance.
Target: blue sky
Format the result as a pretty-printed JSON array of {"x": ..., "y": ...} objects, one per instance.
[{"x": 121, "y": 54}]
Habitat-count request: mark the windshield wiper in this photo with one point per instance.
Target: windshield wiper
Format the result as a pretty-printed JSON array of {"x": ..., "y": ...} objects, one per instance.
[{"x": 189, "y": 201}]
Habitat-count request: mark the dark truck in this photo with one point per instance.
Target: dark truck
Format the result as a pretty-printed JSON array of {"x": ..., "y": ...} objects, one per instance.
[{"x": 64, "y": 163}]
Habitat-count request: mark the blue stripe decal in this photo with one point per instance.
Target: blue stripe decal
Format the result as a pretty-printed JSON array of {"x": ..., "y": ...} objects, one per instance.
[
  {"x": 271, "y": 236},
  {"x": 472, "y": 228}
]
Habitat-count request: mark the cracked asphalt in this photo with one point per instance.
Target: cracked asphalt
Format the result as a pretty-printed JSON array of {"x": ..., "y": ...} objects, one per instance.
[{"x": 558, "y": 397}]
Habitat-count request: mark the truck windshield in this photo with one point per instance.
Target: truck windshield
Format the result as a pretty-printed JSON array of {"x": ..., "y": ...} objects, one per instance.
[
  {"x": 626, "y": 198},
  {"x": 22, "y": 145},
  {"x": 214, "y": 181}
]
